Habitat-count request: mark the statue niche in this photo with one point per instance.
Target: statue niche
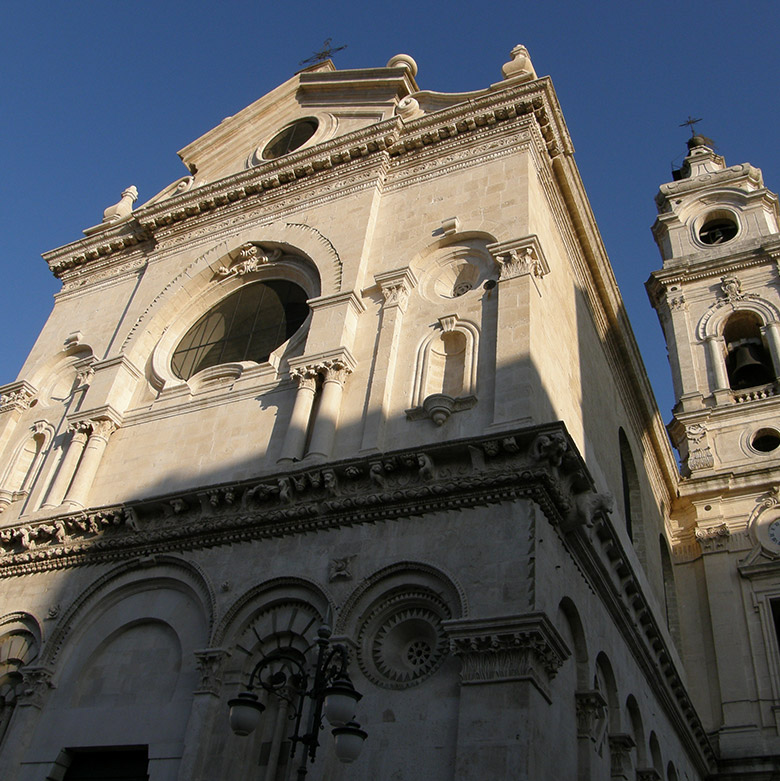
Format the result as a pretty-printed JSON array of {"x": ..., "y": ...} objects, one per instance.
[{"x": 446, "y": 371}]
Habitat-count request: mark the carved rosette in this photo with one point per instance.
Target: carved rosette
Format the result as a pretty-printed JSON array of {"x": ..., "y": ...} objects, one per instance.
[
  {"x": 591, "y": 714},
  {"x": 528, "y": 648},
  {"x": 37, "y": 684},
  {"x": 211, "y": 663}
]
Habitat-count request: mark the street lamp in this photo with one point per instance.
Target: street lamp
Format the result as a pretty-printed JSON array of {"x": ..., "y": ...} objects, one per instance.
[{"x": 332, "y": 695}]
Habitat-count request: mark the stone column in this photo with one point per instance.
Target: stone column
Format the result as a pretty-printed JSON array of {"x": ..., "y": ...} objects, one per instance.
[
  {"x": 334, "y": 374},
  {"x": 78, "y": 491},
  {"x": 772, "y": 334},
  {"x": 70, "y": 460},
  {"x": 208, "y": 708},
  {"x": 37, "y": 684},
  {"x": 395, "y": 287},
  {"x": 506, "y": 666},
  {"x": 715, "y": 358},
  {"x": 295, "y": 438}
]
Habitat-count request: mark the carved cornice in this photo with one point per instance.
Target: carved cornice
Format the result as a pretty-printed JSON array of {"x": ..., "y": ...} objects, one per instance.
[
  {"x": 391, "y": 137},
  {"x": 515, "y": 648}
]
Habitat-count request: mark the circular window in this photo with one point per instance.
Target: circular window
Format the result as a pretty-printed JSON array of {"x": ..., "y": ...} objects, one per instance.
[
  {"x": 246, "y": 326},
  {"x": 766, "y": 440},
  {"x": 718, "y": 230},
  {"x": 291, "y": 138}
]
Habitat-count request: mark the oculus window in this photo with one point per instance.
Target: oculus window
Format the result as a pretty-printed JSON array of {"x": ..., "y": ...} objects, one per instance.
[
  {"x": 291, "y": 138},
  {"x": 246, "y": 326}
]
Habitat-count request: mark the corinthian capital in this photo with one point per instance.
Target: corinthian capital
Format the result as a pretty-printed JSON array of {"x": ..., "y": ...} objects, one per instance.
[
  {"x": 103, "y": 428},
  {"x": 304, "y": 376},
  {"x": 335, "y": 371},
  {"x": 396, "y": 286}
]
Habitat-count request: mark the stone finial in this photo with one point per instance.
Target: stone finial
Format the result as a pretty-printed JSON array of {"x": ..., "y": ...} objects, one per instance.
[
  {"x": 125, "y": 206},
  {"x": 403, "y": 61},
  {"x": 520, "y": 65}
]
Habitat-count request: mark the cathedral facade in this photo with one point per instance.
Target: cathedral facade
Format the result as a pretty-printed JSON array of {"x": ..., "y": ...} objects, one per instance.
[{"x": 357, "y": 400}]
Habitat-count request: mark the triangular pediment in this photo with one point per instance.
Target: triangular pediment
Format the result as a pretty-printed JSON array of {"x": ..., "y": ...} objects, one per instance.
[{"x": 337, "y": 102}]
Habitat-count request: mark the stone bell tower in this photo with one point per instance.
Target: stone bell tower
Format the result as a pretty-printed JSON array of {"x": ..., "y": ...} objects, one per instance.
[{"x": 718, "y": 300}]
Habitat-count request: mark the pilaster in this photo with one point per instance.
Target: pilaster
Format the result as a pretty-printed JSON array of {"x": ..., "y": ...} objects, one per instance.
[
  {"x": 506, "y": 666},
  {"x": 395, "y": 286}
]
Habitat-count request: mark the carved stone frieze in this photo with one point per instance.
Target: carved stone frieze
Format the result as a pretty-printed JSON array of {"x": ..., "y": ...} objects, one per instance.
[
  {"x": 533, "y": 101},
  {"x": 516, "y": 648},
  {"x": 64, "y": 535}
]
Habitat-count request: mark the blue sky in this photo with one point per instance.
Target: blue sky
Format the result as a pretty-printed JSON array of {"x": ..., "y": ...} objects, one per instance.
[{"x": 99, "y": 95}]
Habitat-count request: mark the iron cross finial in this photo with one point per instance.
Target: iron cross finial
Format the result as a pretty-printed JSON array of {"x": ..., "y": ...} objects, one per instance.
[
  {"x": 325, "y": 53},
  {"x": 690, "y": 122}
]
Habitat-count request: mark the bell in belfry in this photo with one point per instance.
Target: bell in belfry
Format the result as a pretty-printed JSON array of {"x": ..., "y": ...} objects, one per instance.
[{"x": 749, "y": 367}]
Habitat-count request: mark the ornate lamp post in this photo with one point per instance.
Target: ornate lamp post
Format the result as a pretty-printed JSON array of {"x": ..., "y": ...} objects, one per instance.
[{"x": 331, "y": 693}]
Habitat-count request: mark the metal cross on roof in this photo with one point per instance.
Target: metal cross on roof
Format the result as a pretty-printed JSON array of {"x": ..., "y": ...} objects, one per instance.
[
  {"x": 325, "y": 53},
  {"x": 690, "y": 122}
]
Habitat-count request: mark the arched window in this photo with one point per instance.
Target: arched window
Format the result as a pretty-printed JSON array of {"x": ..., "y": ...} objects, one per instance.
[
  {"x": 248, "y": 325},
  {"x": 748, "y": 363},
  {"x": 630, "y": 481}
]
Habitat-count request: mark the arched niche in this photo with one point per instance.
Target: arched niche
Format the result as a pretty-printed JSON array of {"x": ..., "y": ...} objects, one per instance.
[
  {"x": 20, "y": 641},
  {"x": 445, "y": 376},
  {"x": 123, "y": 657},
  {"x": 24, "y": 465}
]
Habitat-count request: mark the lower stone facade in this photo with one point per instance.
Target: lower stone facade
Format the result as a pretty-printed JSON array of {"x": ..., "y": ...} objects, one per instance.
[{"x": 483, "y": 594}]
